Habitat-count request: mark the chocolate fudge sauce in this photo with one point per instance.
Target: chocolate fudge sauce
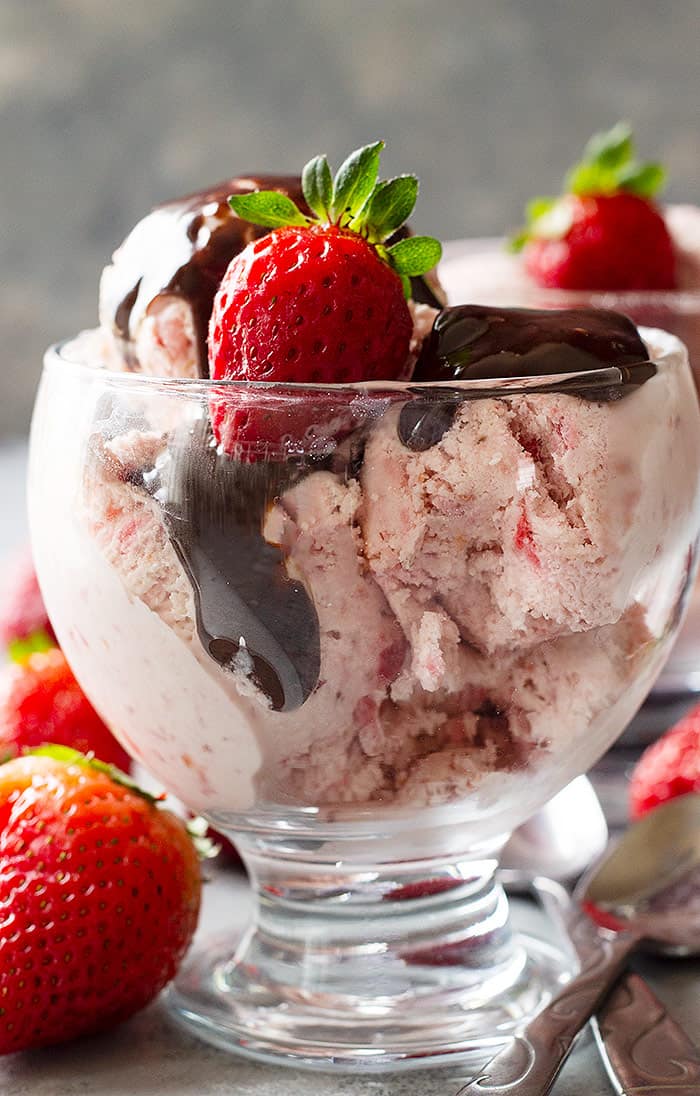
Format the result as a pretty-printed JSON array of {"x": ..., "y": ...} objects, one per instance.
[
  {"x": 251, "y": 617},
  {"x": 473, "y": 342},
  {"x": 182, "y": 249}
]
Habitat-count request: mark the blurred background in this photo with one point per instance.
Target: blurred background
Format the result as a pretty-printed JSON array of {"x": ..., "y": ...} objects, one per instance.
[{"x": 106, "y": 109}]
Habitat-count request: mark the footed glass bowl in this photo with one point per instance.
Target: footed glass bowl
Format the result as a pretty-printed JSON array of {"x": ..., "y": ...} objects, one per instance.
[{"x": 366, "y": 631}]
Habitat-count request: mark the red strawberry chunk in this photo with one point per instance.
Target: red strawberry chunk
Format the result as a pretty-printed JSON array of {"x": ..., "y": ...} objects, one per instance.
[{"x": 524, "y": 539}]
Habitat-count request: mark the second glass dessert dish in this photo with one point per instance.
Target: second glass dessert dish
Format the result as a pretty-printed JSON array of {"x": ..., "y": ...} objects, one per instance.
[
  {"x": 364, "y": 581},
  {"x": 606, "y": 242}
]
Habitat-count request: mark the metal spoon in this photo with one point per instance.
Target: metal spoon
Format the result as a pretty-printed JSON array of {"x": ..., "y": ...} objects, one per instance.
[
  {"x": 642, "y": 1046},
  {"x": 647, "y": 888}
]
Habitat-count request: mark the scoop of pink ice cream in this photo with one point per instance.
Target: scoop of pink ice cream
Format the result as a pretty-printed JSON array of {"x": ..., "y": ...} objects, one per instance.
[
  {"x": 527, "y": 520},
  {"x": 482, "y": 604}
]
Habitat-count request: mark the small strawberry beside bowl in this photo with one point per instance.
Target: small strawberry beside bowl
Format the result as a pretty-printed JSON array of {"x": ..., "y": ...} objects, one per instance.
[
  {"x": 41, "y": 701},
  {"x": 99, "y": 898}
]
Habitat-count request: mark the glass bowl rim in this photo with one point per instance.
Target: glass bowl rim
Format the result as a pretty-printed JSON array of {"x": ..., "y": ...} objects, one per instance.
[
  {"x": 686, "y": 301},
  {"x": 487, "y": 388}
]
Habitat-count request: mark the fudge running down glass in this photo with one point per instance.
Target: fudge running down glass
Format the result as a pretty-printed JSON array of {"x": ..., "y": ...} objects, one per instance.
[{"x": 363, "y": 579}]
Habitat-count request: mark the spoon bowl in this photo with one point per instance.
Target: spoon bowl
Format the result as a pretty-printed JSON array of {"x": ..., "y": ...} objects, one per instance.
[
  {"x": 649, "y": 883},
  {"x": 645, "y": 889}
]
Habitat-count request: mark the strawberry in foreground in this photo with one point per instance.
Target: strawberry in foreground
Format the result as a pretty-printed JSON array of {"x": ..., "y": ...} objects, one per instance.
[
  {"x": 669, "y": 768},
  {"x": 605, "y": 231},
  {"x": 41, "y": 701},
  {"x": 321, "y": 299},
  {"x": 99, "y": 898},
  {"x": 22, "y": 610}
]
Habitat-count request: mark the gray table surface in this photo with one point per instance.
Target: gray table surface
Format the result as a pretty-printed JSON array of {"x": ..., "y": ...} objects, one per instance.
[{"x": 149, "y": 1055}]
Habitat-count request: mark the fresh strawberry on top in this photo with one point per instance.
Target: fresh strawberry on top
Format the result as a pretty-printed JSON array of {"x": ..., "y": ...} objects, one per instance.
[
  {"x": 605, "y": 231},
  {"x": 41, "y": 701},
  {"x": 99, "y": 898},
  {"x": 319, "y": 300},
  {"x": 669, "y": 768}
]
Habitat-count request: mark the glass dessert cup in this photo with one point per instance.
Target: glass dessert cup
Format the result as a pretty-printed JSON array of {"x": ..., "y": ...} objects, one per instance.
[
  {"x": 483, "y": 271},
  {"x": 366, "y": 651}
]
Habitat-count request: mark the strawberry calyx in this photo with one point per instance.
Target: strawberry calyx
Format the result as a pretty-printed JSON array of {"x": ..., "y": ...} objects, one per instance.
[
  {"x": 199, "y": 831},
  {"x": 21, "y": 650},
  {"x": 197, "y": 827},
  {"x": 608, "y": 166},
  {"x": 354, "y": 200},
  {"x": 68, "y": 756}
]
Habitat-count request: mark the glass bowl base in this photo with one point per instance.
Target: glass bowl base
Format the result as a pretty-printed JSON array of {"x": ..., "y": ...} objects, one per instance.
[{"x": 428, "y": 1021}]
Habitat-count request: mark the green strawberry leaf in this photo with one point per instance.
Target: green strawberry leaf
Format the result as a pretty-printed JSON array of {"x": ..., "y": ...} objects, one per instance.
[
  {"x": 354, "y": 200},
  {"x": 612, "y": 149},
  {"x": 609, "y": 165},
  {"x": 268, "y": 208},
  {"x": 590, "y": 178},
  {"x": 646, "y": 180},
  {"x": 59, "y": 753},
  {"x": 537, "y": 207},
  {"x": 390, "y": 206},
  {"x": 69, "y": 756},
  {"x": 547, "y": 218},
  {"x": 517, "y": 240},
  {"x": 317, "y": 186},
  {"x": 554, "y": 223},
  {"x": 354, "y": 182},
  {"x": 198, "y": 829},
  {"x": 19, "y": 650},
  {"x": 415, "y": 255}
]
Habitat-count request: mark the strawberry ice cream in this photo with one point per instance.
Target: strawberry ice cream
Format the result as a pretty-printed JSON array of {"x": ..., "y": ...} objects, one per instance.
[{"x": 475, "y": 609}]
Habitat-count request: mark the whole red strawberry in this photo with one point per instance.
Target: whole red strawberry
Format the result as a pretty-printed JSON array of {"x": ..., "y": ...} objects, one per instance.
[
  {"x": 41, "y": 701},
  {"x": 99, "y": 899},
  {"x": 22, "y": 610},
  {"x": 669, "y": 768},
  {"x": 605, "y": 232},
  {"x": 319, "y": 300}
]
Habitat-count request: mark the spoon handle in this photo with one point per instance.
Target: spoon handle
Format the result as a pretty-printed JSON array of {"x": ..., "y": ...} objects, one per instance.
[
  {"x": 643, "y": 1048},
  {"x": 529, "y": 1063}
]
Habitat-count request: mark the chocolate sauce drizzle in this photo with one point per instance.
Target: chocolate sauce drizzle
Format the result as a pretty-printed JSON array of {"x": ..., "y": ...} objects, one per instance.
[
  {"x": 251, "y": 616},
  {"x": 182, "y": 249},
  {"x": 472, "y": 342}
]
